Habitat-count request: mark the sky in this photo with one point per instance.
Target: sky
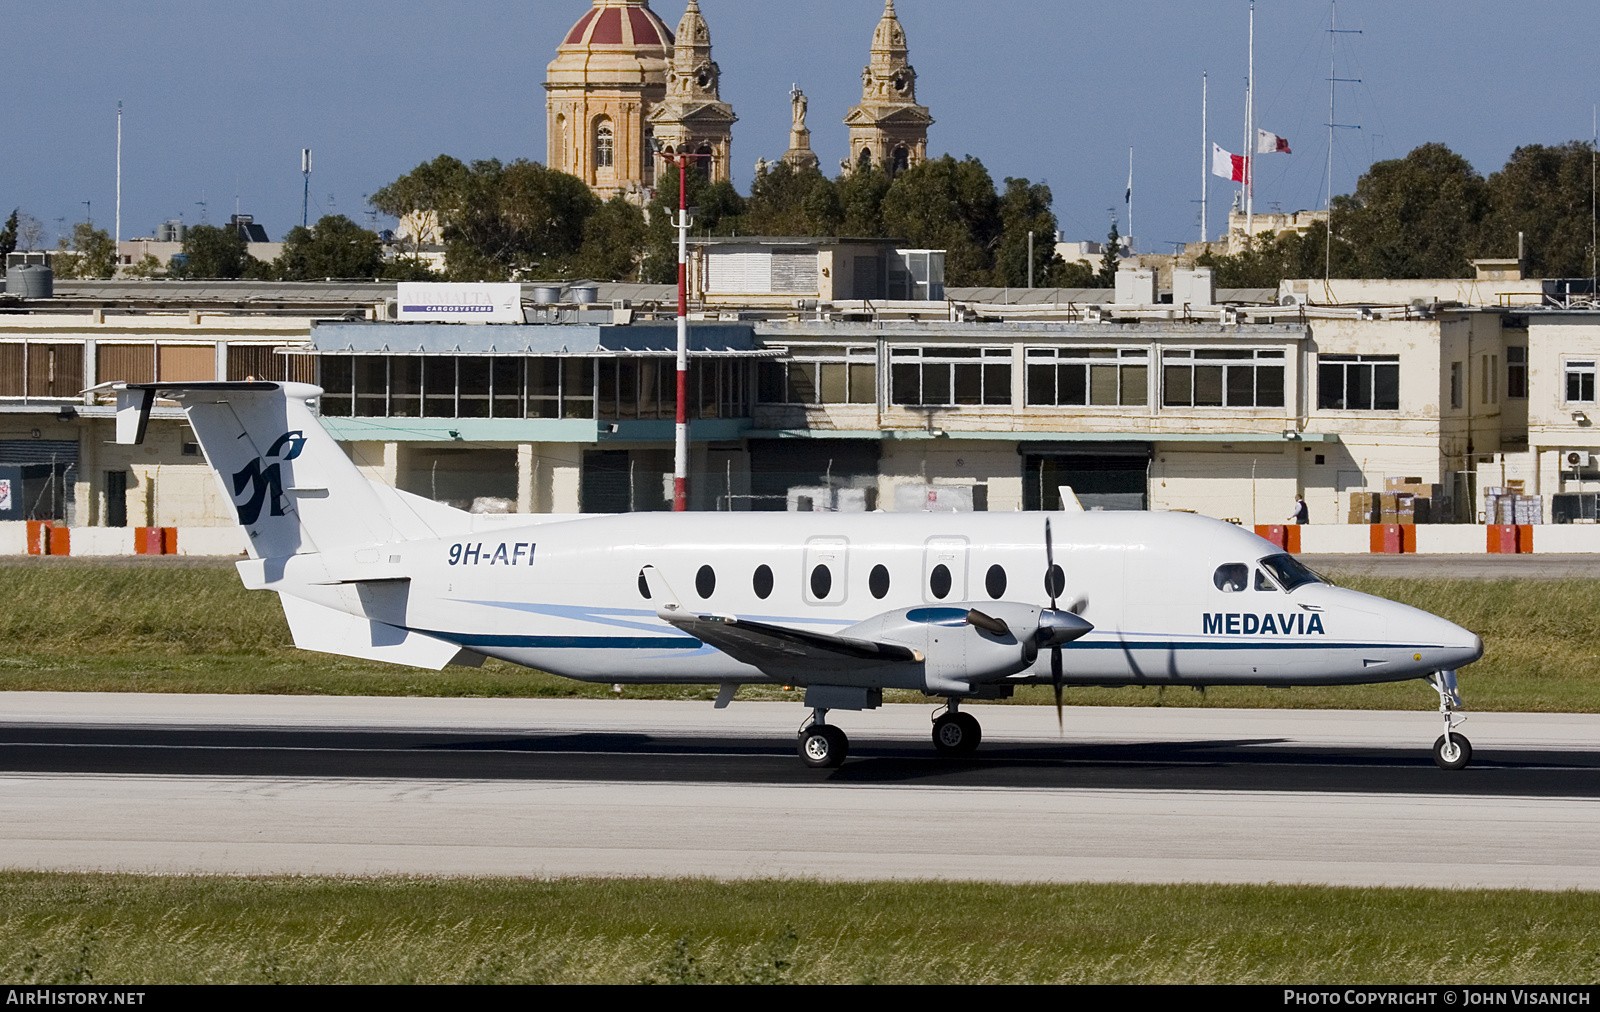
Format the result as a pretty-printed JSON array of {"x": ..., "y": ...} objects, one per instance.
[{"x": 220, "y": 96}]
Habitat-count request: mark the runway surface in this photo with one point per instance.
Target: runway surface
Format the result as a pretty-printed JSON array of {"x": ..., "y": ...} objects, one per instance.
[{"x": 319, "y": 785}]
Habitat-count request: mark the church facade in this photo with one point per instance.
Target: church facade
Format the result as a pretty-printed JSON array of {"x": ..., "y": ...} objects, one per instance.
[{"x": 624, "y": 87}]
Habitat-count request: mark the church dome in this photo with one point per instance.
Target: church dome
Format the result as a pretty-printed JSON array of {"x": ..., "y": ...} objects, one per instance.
[{"x": 620, "y": 25}]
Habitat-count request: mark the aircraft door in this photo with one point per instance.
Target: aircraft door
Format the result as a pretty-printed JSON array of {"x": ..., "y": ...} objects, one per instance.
[
  {"x": 826, "y": 575},
  {"x": 944, "y": 570}
]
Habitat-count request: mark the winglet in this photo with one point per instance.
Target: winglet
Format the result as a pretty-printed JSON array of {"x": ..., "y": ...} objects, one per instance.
[{"x": 668, "y": 607}]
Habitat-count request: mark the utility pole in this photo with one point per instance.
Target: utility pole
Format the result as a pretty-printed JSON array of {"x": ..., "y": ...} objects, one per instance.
[
  {"x": 305, "y": 197},
  {"x": 1030, "y": 258},
  {"x": 680, "y": 464},
  {"x": 1205, "y": 157}
]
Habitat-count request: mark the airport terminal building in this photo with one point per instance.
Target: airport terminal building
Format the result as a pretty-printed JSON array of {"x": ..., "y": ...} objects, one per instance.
[{"x": 1229, "y": 404}]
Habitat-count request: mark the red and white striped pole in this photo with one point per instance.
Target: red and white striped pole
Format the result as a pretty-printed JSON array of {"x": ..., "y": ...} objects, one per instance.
[{"x": 680, "y": 467}]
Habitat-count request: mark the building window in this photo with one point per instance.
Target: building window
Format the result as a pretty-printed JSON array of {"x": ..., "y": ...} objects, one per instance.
[
  {"x": 821, "y": 376},
  {"x": 605, "y": 145},
  {"x": 1517, "y": 373},
  {"x": 35, "y": 369},
  {"x": 944, "y": 377},
  {"x": 1358, "y": 382},
  {"x": 1222, "y": 377},
  {"x": 1455, "y": 384},
  {"x": 1109, "y": 377},
  {"x": 647, "y": 388},
  {"x": 1580, "y": 380}
]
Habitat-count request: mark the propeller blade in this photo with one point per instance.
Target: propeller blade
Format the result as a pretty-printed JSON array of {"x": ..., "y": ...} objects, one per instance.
[
  {"x": 1049, "y": 564},
  {"x": 988, "y": 623},
  {"x": 1055, "y": 681}
]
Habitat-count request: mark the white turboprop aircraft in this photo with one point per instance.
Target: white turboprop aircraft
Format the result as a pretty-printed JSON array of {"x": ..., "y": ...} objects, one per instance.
[{"x": 958, "y": 605}]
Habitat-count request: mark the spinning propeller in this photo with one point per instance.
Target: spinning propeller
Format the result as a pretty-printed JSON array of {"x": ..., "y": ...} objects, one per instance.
[{"x": 1057, "y": 627}]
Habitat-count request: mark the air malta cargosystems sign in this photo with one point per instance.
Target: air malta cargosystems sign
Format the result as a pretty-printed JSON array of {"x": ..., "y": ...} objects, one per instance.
[{"x": 452, "y": 303}]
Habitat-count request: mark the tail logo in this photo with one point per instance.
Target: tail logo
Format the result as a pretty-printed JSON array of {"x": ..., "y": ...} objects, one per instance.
[{"x": 266, "y": 480}]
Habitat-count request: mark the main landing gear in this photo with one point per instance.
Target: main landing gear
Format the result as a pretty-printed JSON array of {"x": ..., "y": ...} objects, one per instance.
[
  {"x": 956, "y": 734},
  {"x": 1452, "y": 751},
  {"x": 821, "y": 745}
]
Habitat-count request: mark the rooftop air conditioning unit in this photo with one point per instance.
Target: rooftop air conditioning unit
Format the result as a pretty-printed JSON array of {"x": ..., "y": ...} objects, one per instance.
[{"x": 1579, "y": 460}]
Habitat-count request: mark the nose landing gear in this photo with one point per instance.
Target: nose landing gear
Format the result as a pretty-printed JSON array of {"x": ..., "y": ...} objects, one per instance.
[{"x": 1452, "y": 751}]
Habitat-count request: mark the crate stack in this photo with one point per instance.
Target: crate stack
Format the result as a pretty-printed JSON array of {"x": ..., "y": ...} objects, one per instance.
[
  {"x": 1402, "y": 501},
  {"x": 1506, "y": 504}
]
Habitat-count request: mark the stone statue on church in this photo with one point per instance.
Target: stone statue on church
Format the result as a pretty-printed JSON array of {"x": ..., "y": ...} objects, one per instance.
[{"x": 800, "y": 154}]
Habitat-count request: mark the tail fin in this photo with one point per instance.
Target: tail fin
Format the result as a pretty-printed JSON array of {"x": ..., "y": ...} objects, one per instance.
[{"x": 292, "y": 489}]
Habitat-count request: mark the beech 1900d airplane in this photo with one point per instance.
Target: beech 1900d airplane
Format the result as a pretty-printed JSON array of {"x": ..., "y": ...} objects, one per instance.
[{"x": 964, "y": 606}]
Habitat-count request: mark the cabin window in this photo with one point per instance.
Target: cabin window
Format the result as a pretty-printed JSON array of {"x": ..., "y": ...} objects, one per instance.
[
  {"x": 948, "y": 377},
  {"x": 995, "y": 582},
  {"x": 1232, "y": 577},
  {"x": 821, "y": 582},
  {"x": 1222, "y": 377},
  {"x": 1289, "y": 571},
  {"x": 1358, "y": 382},
  {"x": 939, "y": 581},
  {"x": 1109, "y": 377},
  {"x": 878, "y": 582},
  {"x": 705, "y": 581},
  {"x": 761, "y": 582},
  {"x": 1263, "y": 583},
  {"x": 1055, "y": 582}
]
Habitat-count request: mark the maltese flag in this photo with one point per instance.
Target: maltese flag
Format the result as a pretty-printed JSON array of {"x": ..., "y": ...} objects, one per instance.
[
  {"x": 1271, "y": 144},
  {"x": 1228, "y": 165}
]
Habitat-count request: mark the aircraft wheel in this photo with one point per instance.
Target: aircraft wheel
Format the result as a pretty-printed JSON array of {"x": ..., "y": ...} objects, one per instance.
[
  {"x": 823, "y": 746},
  {"x": 1452, "y": 754},
  {"x": 956, "y": 734}
]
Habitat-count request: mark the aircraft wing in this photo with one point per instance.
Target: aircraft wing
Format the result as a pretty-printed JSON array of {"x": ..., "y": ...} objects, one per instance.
[{"x": 774, "y": 649}]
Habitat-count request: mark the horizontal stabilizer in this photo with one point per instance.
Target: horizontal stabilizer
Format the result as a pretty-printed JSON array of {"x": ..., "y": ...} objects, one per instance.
[{"x": 327, "y": 631}]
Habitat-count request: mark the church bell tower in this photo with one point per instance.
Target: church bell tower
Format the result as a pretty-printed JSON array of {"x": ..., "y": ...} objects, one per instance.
[{"x": 888, "y": 129}]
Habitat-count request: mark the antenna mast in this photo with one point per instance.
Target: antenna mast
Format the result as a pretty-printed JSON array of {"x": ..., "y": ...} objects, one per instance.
[
  {"x": 305, "y": 198},
  {"x": 1334, "y": 80},
  {"x": 117, "y": 238},
  {"x": 1205, "y": 166},
  {"x": 1250, "y": 134}
]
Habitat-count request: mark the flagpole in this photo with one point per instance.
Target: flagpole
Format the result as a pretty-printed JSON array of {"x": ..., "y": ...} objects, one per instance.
[
  {"x": 1205, "y": 158},
  {"x": 1250, "y": 134},
  {"x": 1131, "y": 247}
]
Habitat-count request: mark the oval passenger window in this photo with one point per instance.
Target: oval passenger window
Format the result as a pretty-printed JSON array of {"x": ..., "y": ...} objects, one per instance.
[
  {"x": 1231, "y": 577},
  {"x": 995, "y": 582},
  {"x": 939, "y": 581},
  {"x": 878, "y": 581},
  {"x": 821, "y": 582},
  {"x": 762, "y": 582},
  {"x": 705, "y": 581}
]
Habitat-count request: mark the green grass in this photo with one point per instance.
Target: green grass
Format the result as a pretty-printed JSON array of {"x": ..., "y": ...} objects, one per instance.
[
  {"x": 112, "y": 929},
  {"x": 161, "y": 628}
]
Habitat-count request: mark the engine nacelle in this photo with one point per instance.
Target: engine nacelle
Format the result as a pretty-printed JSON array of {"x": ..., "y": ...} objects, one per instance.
[{"x": 963, "y": 645}]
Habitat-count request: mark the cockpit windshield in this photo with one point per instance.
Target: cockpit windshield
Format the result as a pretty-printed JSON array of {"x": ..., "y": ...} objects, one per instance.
[{"x": 1289, "y": 571}]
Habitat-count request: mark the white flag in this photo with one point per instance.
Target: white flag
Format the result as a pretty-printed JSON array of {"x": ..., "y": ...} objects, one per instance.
[{"x": 1268, "y": 143}]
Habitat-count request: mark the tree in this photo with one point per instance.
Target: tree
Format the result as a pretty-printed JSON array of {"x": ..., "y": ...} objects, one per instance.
[
  {"x": 783, "y": 199},
  {"x": 147, "y": 266},
  {"x": 211, "y": 252},
  {"x": 516, "y": 218},
  {"x": 1025, "y": 208},
  {"x": 91, "y": 256},
  {"x": 613, "y": 242},
  {"x": 719, "y": 209},
  {"x": 1075, "y": 274},
  {"x": 1544, "y": 193},
  {"x": 335, "y": 247},
  {"x": 949, "y": 205},
  {"x": 8, "y": 235},
  {"x": 860, "y": 195},
  {"x": 1108, "y": 260},
  {"x": 1421, "y": 216}
]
